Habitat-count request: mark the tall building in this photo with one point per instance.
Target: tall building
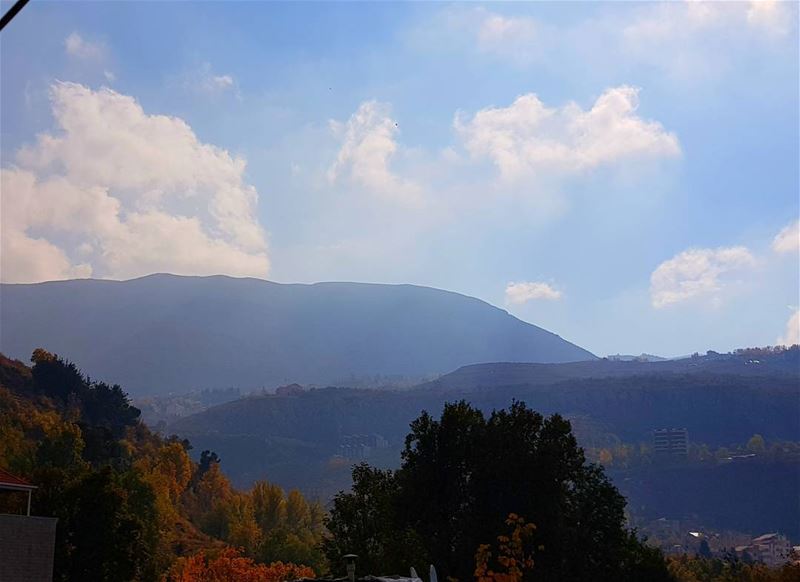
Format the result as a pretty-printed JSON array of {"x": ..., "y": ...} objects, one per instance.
[{"x": 671, "y": 441}]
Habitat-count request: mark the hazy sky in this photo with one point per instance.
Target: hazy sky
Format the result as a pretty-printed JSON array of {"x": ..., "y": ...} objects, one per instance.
[{"x": 623, "y": 174}]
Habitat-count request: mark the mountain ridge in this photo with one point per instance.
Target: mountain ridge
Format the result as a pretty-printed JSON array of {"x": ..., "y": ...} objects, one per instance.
[{"x": 166, "y": 333}]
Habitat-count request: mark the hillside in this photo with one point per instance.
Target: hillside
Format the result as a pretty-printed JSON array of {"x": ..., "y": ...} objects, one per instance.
[
  {"x": 617, "y": 400},
  {"x": 165, "y": 333},
  {"x": 723, "y": 400},
  {"x": 745, "y": 362},
  {"x": 130, "y": 504}
]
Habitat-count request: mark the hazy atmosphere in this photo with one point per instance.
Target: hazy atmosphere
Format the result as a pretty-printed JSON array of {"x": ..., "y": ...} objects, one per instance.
[
  {"x": 399, "y": 291},
  {"x": 622, "y": 174}
]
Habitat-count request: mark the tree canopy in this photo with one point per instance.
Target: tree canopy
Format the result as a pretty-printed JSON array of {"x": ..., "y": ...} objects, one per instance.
[
  {"x": 130, "y": 503},
  {"x": 463, "y": 474}
]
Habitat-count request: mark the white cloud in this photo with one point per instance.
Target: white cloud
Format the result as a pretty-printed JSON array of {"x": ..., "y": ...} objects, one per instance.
[
  {"x": 518, "y": 293},
  {"x": 367, "y": 147},
  {"x": 792, "y": 334},
  {"x": 772, "y": 16},
  {"x": 699, "y": 41},
  {"x": 527, "y": 136},
  {"x": 205, "y": 81},
  {"x": 497, "y": 29},
  {"x": 80, "y": 48},
  {"x": 516, "y": 38},
  {"x": 674, "y": 20},
  {"x": 692, "y": 42},
  {"x": 788, "y": 239},
  {"x": 697, "y": 273},
  {"x": 127, "y": 192},
  {"x": 221, "y": 81}
]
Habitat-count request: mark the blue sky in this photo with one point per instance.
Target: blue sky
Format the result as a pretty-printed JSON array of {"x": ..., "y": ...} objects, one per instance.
[{"x": 623, "y": 174}]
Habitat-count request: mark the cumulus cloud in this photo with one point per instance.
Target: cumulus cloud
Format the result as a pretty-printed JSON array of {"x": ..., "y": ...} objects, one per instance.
[
  {"x": 116, "y": 192},
  {"x": 527, "y": 136},
  {"x": 518, "y": 293},
  {"x": 788, "y": 239},
  {"x": 367, "y": 146},
  {"x": 792, "y": 334},
  {"x": 80, "y": 48},
  {"x": 696, "y": 273}
]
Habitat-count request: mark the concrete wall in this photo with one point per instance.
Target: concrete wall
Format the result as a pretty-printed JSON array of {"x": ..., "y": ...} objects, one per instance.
[{"x": 26, "y": 548}]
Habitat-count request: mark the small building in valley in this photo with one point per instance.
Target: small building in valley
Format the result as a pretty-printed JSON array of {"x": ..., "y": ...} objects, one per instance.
[{"x": 671, "y": 441}]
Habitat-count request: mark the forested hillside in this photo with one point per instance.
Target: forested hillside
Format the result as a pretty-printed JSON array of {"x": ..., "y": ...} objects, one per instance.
[
  {"x": 284, "y": 435},
  {"x": 722, "y": 402},
  {"x": 132, "y": 505},
  {"x": 165, "y": 333}
]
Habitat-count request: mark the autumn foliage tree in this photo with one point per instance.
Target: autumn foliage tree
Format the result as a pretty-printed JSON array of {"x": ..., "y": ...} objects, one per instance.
[
  {"x": 130, "y": 502},
  {"x": 230, "y": 566},
  {"x": 512, "y": 557}
]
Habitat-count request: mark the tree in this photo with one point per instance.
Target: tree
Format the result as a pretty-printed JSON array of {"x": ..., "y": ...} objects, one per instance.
[
  {"x": 108, "y": 528},
  {"x": 269, "y": 505},
  {"x": 463, "y": 474},
  {"x": 513, "y": 557},
  {"x": 365, "y": 522},
  {"x": 756, "y": 444}
]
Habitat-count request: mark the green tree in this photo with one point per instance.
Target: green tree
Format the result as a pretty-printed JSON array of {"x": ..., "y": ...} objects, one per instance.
[
  {"x": 109, "y": 529},
  {"x": 365, "y": 522},
  {"x": 463, "y": 474}
]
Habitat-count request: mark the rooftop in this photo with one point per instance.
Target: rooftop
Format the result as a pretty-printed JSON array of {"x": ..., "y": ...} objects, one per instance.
[{"x": 10, "y": 481}]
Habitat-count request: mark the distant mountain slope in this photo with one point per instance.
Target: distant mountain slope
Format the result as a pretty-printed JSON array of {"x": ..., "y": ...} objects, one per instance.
[
  {"x": 261, "y": 435},
  {"x": 167, "y": 333},
  {"x": 510, "y": 374}
]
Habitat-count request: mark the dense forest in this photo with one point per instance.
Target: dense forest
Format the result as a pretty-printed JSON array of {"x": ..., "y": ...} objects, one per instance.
[
  {"x": 132, "y": 505},
  {"x": 502, "y": 497},
  {"x": 294, "y": 437}
]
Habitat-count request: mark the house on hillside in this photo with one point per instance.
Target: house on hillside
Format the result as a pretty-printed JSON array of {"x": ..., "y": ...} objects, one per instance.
[
  {"x": 773, "y": 549},
  {"x": 27, "y": 543}
]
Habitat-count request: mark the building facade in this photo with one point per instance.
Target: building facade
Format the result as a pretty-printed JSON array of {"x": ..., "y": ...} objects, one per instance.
[{"x": 671, "y": 441}]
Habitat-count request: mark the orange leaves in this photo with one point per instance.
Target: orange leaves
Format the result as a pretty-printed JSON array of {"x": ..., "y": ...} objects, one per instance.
[
  {"x": 514, "y": 557},
  {"x": 231, "y": 566}
]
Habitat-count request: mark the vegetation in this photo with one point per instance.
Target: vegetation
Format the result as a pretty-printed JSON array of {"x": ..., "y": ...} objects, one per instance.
[
  {"x": 464, "y": 473},
  {"x": 606, "y": 409},
  {"x": 513, "y": 556},
  {"x": 621, "y": 455},
  {"x": 132, "y": 505},
  {"x": 730, "y": 569},
  {"x": 230, "y": 565}
]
